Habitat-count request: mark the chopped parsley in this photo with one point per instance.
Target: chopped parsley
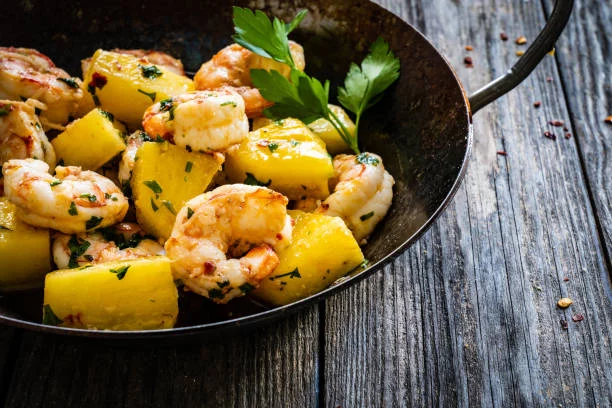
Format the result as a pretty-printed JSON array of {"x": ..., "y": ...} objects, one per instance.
[
  {"x": 272, "y": 147},
  {"x": 91, "y": 197},
  {"x": 229, "y": 103},
  {"x": 169, "y": 206},
  {"x": 151, "y": 95},
  {"x": 55, "y": 183},
  {"x": 294, "y": 143},
  {"x": 246, "y": 287},
  {"x": 93, "y": 222},
  {"x": 107, "y": 115},
  {"x": 73, "y": 210},
  {"x": 5, "y": 109},
  {"x": 223, "y": 284},
  {"x": 293, "y": 274},
  {"x": 150, "y": 71},
  {"x": 366, "y": 158},
  {"x": 49, "y": 317},
  {"x": 167, "y": 106},
  {"x": 120, "y": 272},
  {"x": 189, "y": 212},
  {"x": 71, "y": 82},
  {"x": 153, "y": 205},
  {"x": 215, "y": 294},
  {"x": 153, "y": 185},
  {"x": 188, "y": 167},
  {"x": 252, "y": 181},
  {"x": 77, "y": 247},
  {"x": 366, "y": 216}
]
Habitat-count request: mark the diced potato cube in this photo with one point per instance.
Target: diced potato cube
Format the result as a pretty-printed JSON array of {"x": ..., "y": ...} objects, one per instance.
[
  {"x": 122, "y": 85},
  {"x": 91, "y": 141},
  {"x": 325, "y": 130},
  {"x": 123, "y": 295},
  {"x": 165, "y": 176},
  {"x": 322, "y": 250},
  {"x": 24, "y": 251},
  {"x": 285, "y": 156}
]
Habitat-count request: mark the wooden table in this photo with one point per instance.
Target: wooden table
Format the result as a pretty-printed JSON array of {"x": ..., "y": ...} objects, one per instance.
[{"x": 467, "y": 315}]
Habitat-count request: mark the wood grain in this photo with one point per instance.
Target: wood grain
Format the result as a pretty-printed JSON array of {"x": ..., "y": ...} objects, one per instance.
[
  {"x": 275, "y": 367},
  {"x": 468, "y": 315}
]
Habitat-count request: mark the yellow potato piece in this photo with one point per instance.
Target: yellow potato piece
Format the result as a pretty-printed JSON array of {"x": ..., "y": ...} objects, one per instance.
[
  {"x": 322, "y": 250},
  {"x": 91, "y": 141},
  {"x": 24, "y": 251},
  {"x": 124, "y": 86},
  {"x": 284, "y": 156},
  {"x": 165, "y": 176},
  {"x": 126, "y": 295}
]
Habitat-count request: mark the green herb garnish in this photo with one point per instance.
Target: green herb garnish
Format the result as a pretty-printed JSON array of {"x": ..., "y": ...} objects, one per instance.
[
  {"x": 73, "y": 210},
  {"x": 252, "y": 181},
  {"x": 120, "y": 272},
  {"x": 55, "y": 183},
  {"x": 5, "y": 109},
  {"x": 107, "y": 115},
  {"x": 169, "y": 206},
  {"x": 229, "y": 103},
  {"x": 188, "y": 167},
  {"x": 189, "y": 212},
  {"x": 93, "y": 222},
  {"x": 153, "y": 205},
  {"x": 366, "y": 158},
  {"x": 150, "y": 71},
  {"x": 367, "y": 216},
  {"x": 272, "y": 147},
  {"x": 293, "y": 274},
  {"x": 246, "y": 287},
  {"x": 151, "y": 95},
  {"x": 215, "y": 294},
  {"x": 77, "y": 247},
  {"x": 153, "y": 185},
  {"x": 49, "y": 317},
  {"x": 71, "y": 82},
  {"x": 91, "y": 197}
]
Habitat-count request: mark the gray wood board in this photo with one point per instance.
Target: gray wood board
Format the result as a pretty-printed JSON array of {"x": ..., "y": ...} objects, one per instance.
[
  {"x": 468, "y": 315},
  {"x": 275, "y": 366}
]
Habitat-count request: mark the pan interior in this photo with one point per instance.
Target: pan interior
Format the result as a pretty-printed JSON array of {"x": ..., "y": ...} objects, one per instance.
[{"x": 421, "y": 127}]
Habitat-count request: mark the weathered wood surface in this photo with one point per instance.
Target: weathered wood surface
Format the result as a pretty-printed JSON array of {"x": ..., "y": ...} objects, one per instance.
[{"x": 467, "y": 315}]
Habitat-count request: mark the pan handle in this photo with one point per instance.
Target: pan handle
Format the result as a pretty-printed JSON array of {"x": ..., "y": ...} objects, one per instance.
[{"x": 544, "y": 42}]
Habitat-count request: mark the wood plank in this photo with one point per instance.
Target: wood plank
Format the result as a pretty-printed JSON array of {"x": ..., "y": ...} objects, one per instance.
[
  {"x": 10, "y": 339},
  {"x": 272, "y": 366},
  {"x": 588, "y": 85},
  {"x": 468, "y": 315}
]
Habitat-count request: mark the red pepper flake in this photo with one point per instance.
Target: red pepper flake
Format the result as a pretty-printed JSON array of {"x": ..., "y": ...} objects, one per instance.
[
  {"x": 209, "y": 268},
  {"x": 503, "y": 36},
  {"x": 568, "y": 135},
  {"x": 521, "y": 40},
  {"x": 565, "y": 129},
  {"x": 549, "y": 79},
  {"x": 556, "y": 123},
  {"x": 469, "y": 63},
  {"x": 97, "y": 81},
  {"x": 578, "y": 317},
  {"x": 537, "y": 104},
  {"x": 566, "y": 279},
  {"x": 608, "y": 119},
  {"x": 563, "y": 324},
  {"x": 550, "y": 135},
  {"x": 502, "y": 153},
  {"x": 469, "y": 48}
]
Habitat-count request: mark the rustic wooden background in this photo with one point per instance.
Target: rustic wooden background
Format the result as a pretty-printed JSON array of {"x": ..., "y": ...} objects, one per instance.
[{"x": 468, "y": 315}]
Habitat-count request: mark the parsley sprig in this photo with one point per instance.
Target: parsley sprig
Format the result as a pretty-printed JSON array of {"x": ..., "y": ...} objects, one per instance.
[{"x": 302, "y": 96}]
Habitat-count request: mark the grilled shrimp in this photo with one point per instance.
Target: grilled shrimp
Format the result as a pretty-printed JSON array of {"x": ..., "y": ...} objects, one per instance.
[
  {"x": 146, "y": 57},
  {"x": 26, "y": 73},
  {"x": 362, "y": 194},
  {"x": 72, "y": 201},
  {"x": 207, "y": 121},
  {"x": 120, "y": 242},
  {"x": 21, "y": 136},
  {"x": 128, "y": 157},
  {"x": 234, "y": 219},
  {"x": 231, "y": 67}
]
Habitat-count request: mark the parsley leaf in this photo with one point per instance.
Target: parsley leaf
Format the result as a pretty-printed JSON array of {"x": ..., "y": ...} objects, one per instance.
[
  {"x": 363, "y": 86},
  {"x": 49, "y": 317},
  {"x": 265, "y": 37},
  {"x": 77, "y": 247},
  {"x": 120, "y": 272},
  {"x": 250, "y": 180},
  {"x": 150, "y": 71},
  {"x": 93, "y": 222}
]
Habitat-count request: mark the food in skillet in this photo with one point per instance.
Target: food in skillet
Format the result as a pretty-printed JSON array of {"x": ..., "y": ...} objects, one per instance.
[{"x": 192, "y": 195}]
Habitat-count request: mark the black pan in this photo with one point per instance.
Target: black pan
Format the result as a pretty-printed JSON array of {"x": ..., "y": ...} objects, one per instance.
[{"x": 422, "y": 128}]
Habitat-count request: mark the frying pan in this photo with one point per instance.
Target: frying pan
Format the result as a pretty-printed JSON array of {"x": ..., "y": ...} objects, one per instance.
[{"x": 422, "y": 128}]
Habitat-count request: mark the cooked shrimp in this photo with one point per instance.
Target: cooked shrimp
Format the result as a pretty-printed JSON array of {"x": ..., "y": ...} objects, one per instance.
[
  {"x": 128, "y": 157},
  {"x": 231, "y": 67},
  {"x": 72, "y": 201},
  {"x": 26, "y": 73},
  {"x": 21, "y": 135},
  {"x": 159, "y": 58},
  {"x": 120, "y": 242},
  {"x": 207, "y": 121},
  {"x": 362, "y": 195},
  {"x": 232, "y": 219}
]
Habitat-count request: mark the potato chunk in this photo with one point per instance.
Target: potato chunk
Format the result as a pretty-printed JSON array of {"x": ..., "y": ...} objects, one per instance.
[
  {"x": 125, "y": 86},
  {"x": 91, "y": 141},
  {"x": 322, "y": 250},
  {"x": 125, "y": 295},
  {"x": 165, "y": 176},
  {"x": 285, "y": 156},
  {"x": 24, "y": 251}
]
